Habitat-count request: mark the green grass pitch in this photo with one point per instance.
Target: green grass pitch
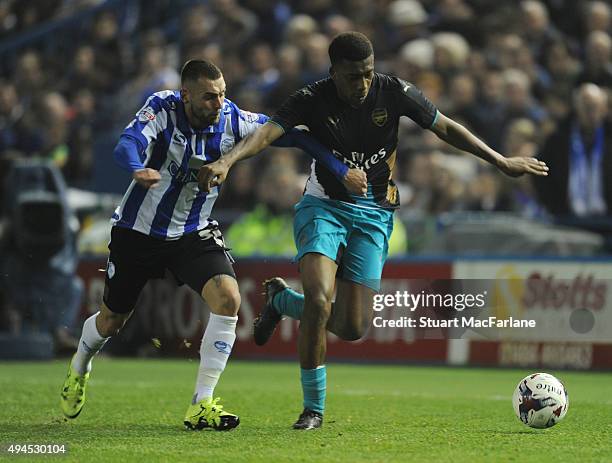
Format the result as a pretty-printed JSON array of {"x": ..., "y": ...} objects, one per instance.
[{"x": 134, "y": 412}]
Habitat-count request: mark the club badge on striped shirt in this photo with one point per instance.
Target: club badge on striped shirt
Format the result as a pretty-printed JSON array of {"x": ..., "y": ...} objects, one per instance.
[{"x": 146, "y": 114}]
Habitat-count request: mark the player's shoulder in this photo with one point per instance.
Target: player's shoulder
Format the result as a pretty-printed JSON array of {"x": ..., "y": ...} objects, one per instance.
[
  {"x": 229, "y": 107},
  {"x": 392, "y": 83},
  {"x": 167, "y": 100},
  {"x": 318, "y": 89},
  {"x": 397, "y": 89}
]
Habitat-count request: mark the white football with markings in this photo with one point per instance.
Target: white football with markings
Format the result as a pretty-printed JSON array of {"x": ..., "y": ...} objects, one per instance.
[{"x": 540, "y": 400}]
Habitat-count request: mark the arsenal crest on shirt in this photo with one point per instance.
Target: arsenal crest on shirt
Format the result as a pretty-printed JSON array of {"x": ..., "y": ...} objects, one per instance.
[{"x": 379, "y": 116}]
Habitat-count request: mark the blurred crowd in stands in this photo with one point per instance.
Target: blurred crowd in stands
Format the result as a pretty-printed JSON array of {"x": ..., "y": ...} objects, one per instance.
[{"x": 74, "y": 72}]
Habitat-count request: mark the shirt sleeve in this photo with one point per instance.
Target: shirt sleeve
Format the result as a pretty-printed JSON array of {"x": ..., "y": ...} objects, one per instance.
[
  {"x": 295, "y": 110},
  {"x": 412, "y": 103},
  {"x": 300, "y": 139},
  {"x": 127, "y": 154},
  {"x": 149, "y": 122},
  {"x": 248, "y": 122}
]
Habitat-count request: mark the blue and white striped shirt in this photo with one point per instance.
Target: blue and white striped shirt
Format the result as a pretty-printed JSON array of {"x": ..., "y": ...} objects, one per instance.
[
  {"x": 165, "y": 142},
  {"x": 161, "y": 138}
]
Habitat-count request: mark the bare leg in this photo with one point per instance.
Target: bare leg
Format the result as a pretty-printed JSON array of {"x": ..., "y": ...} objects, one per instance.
[
  {"x": 222, "y": 295},
  {"x": 351, "y": 313},
  {"x": 109, "y": 323},
  {"x": 318, "y": 274}
]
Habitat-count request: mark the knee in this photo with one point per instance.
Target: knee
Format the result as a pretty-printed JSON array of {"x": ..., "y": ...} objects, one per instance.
[
  {"x": 109, "y": 324},
  {"x": 228, "y": 303},
  {"x": 318, "y": 303},
  {"x": 222, "y": 295}
]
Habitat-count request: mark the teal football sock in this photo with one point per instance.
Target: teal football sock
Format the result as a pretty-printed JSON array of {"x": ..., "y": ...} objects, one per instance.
[
  {"x": 314, "y": 385},
  {"x": 290, "y": 303}
]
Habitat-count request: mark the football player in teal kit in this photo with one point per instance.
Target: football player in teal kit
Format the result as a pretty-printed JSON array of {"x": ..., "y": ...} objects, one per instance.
[{"x": 342, "y": 238}]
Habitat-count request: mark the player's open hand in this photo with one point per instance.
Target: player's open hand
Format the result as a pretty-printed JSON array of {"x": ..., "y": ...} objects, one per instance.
[
  {"x": 147, "y": 178},
  {"x": 356, "y": 182},
  {"x": 519, "y": 165},
  {"x": 212, "y": 175}
]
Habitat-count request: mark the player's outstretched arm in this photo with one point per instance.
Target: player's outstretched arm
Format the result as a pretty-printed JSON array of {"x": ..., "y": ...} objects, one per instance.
[
  {"x": 355, "y": 180},
  {"x": 458, "y": 136},
  {"x": 214, "y": 174}
]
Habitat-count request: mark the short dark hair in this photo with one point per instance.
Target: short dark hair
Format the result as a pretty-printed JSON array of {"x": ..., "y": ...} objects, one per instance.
[
  {"x": 351, "y": 46},
  {"x": 196, "y": 68}
]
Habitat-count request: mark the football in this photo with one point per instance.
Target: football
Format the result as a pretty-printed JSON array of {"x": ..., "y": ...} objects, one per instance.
[{"x": 540, "y": 400}]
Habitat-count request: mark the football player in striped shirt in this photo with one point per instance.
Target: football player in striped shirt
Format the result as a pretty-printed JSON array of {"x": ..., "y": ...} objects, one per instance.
[{"x": 163, "y": 223}]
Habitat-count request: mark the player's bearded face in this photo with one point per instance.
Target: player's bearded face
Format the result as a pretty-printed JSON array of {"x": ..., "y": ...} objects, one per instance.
[
  {"x": 203, "y": 101},
  {"x": 353, "y": 80}
]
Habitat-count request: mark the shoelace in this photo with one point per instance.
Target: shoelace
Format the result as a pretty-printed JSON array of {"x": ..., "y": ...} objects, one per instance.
[
  {"x": 212, "y": 411},
  {"x": 76, "y": 386},
  {"x": 215, "y": 408}
]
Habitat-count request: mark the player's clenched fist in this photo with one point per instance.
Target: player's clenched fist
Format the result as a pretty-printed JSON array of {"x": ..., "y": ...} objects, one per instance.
[
  {"x": 211, "y": 175},
  {"x": 356, "y": 182},
  {"x": 147, "y": 178}
]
